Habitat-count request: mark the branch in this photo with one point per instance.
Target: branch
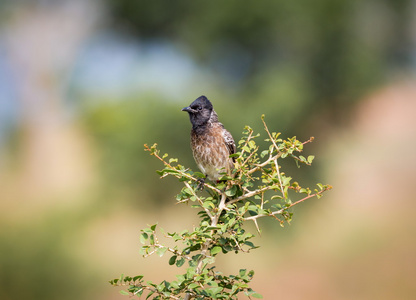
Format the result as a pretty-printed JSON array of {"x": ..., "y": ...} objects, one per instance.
[
  {"x": 144, "y": 287},
  {"x": 270, "y": 136},
  {"x": 176, "y": 252},
  {"x": 221, "y": 207},
  {"x": 249, "y": 194},
  {"x": 250, "y": 156},
  {"x": 309, "y": 141},
  {"x": 156, "y": 244},
  {"x": 286, "y": 208},
  {"x": 280, "y": 178},
  {"x": 260, "y": 166},
  {"x": 147, "y": 148}
]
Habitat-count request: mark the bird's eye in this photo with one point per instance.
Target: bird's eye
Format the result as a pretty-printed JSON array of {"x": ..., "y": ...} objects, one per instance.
[{"x": 199, "y": 107}]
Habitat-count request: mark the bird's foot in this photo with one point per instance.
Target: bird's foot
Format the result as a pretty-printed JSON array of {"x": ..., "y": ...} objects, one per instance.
[{"x": 201, "y": 182}]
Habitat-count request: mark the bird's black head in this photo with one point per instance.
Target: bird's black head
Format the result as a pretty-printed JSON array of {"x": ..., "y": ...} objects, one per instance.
[{"x": 199, "y": 111}]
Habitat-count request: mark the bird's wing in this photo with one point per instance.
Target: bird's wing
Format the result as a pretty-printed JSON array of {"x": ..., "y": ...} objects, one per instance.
[{"x": 229, "y": 141}]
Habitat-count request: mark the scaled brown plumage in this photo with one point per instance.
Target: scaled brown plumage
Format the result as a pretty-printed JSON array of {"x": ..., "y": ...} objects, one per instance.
[{"x": 211, "y": 143}]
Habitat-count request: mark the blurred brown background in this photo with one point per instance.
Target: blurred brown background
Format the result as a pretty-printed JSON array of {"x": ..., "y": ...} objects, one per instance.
[{"x": 84, "y": 84}]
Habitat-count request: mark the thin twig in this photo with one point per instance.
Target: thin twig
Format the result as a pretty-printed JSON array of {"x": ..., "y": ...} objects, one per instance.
[
  {"x": 251, "y": 154},
  {"x": 280, "y": 178},
  {"x": 260, "y": 166},
  {"x": 309, "y": 141},
  {"x": 143, "y": 287},
  {"x": 286, "y": 208},
  {"x": 201, "y": 203},
  {"x": 249, "y": 194},
  {"x": 270, "y": 136},
  {"x": 156, "y": 244},
  {"x": 179, "y": 171}
]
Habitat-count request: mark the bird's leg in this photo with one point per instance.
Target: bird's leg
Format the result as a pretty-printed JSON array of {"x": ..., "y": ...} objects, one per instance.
[{"x": 201, "y": 182}]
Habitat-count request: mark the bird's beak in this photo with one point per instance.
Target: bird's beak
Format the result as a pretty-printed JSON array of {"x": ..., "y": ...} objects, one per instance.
[{"x": 187, "y": 109}]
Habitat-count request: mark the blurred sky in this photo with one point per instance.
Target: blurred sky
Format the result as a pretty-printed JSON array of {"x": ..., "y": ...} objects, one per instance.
[
  {"x": 134, "y": 68},
  {"x": 84, "y": 84}
]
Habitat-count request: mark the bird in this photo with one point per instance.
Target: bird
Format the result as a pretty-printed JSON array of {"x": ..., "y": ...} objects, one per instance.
[{"x": 211, "y": 143}]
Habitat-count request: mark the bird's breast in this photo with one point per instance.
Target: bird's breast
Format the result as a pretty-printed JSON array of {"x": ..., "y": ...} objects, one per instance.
[{"x": 210, "y": 152}]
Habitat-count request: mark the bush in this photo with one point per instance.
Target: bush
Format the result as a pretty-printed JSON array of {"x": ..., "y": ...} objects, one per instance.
[{"x": 256, "y": 188}]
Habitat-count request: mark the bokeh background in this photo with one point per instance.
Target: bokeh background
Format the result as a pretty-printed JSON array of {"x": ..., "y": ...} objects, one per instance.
[{"x": 85, "y": 83}]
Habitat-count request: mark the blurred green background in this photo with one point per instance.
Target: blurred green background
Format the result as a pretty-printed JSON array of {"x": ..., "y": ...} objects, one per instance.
[{"x": 85, "y": 83}]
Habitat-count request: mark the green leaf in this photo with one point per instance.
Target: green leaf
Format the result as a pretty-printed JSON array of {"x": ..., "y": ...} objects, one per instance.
[
  {"x": 286, "y": 180},
  {"x": 209, "y": 260},
  {"x": 152, "y": 239},
  {"x": 199, "y": 174},
  {"x": 193, "y": 285},
  {"x": 147, "y": 230},
  {"x": 125, "y": 293},
  {"x": 220, "y": 186},
  {"x": 162, "y": 231},
  {"x": 212, "y": 228},
  {"x": 213, "y": 292},
  {"x": 180, "y": 262},
  {"x": 143, "y": 238},
  {"x": 161, "y": 251},
  {"x": 143, "y": 250},
  {"x": 170, "y": 171},
  {"x": 187, "y": 191},
  {"x": 305, "y": 191},
  {"x": 232, "y": 191},
  {"x": 208, "y": 204},
  {"x": 183, "y": 178},
  {"x": 216, "y": 250},
  {"x": 172, "y": 260},
  {"x": 310, "y": 158},
  {"x": 250, "y": 244},
  {"x": 264, "y": 153},
  {"x": 226, "y": 177},
  {"x": 150, "y": 294}
]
